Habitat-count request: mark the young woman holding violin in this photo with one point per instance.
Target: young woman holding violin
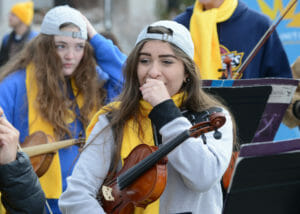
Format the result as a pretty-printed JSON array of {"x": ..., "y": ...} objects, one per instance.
[
  {"x": 161, "y": 85},
  {"x": 19, "y": 185},
  {"x": 55, "y": 85}
]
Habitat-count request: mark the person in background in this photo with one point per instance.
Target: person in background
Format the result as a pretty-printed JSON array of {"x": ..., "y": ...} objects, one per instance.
[
  {"x": 228, "y": 28},
  {"x": 20, "y": 19},
  {"x": 225, "y": 32},
  {"x": 160, "y": 76},
  {"x": 55, "y": 86},
  {"x": 19, "y": 185}
]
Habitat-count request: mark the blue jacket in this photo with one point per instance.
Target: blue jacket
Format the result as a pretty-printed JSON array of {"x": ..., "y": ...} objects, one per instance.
[
  {"x": 239, "y": 35},
  {"x": 13, "y": 99}
]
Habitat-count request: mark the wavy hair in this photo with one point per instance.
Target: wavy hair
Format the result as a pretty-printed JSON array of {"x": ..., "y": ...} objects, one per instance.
[{"x": 53, "y": 100}]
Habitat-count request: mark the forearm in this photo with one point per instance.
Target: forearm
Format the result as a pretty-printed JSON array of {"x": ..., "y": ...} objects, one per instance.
[{"x": 108, "y": 56}]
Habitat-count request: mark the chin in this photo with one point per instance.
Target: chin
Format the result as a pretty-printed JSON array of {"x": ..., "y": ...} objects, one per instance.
[{"x": 68, "y": 72}]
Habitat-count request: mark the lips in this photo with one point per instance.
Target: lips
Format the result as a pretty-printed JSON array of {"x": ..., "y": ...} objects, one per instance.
[{"x": 68, "y": 65}]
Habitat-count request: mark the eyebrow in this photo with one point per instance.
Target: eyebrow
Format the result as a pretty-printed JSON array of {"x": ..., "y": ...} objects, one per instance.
[
  {"x": 161, "y": 56},
  {"x": 63, "y": 42}
]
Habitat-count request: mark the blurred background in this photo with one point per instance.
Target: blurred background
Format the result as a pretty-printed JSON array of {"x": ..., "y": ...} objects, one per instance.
[{"x": 125, "y": 18}]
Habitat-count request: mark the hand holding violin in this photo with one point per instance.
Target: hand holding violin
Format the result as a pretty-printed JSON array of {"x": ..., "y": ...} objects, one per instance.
[{"x": 9, "y": 139}]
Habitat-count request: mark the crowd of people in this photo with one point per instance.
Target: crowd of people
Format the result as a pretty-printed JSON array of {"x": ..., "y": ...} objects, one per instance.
[{"x": 71, "y": 82}]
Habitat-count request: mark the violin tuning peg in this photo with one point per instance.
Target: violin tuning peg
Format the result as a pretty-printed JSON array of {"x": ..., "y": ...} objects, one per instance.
[{"x": 217, "y": 134}]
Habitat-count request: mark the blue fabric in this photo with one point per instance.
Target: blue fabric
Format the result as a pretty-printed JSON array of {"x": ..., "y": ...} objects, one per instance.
[
  {"x": 111, "y": 60},
  {"x": 239, "y": 35},
  {"x": 286, "y": 133},
  {"x": 13, "y": 100}
]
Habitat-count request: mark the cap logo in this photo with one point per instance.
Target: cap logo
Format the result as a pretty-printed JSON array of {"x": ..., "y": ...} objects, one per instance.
[
  {"x": 76, "y": 35},
  {"x": 165, "y": 37},
  {"x": 72, "y": 34}
]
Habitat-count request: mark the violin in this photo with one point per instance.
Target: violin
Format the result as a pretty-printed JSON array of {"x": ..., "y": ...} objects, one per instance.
[
  {"x": 40, "y": 148},
  {"x": 143, "y": 176},
  {"x": 227, "y": 73}
]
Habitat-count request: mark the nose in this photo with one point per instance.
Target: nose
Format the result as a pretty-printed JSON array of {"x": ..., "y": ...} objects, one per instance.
[
  {"x": 69, "y": 54},
  {"x": 154, "y": 70}
]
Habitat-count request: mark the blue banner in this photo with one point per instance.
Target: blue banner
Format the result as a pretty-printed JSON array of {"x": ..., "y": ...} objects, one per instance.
[{"x": 289, "y": 27}]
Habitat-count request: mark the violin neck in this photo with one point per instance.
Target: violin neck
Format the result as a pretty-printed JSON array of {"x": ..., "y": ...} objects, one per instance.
[
  {"x": 129, "y": 176},
  {"x": 49, "y": 147}
]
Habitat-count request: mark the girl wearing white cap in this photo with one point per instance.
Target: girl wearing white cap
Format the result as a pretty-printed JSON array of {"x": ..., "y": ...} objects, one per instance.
[
  {"x": 55, "y": 86},
  {"x": 161, "y": 85}
]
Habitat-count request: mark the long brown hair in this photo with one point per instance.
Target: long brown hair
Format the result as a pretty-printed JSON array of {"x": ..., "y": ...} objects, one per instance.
[
  {"x": 195, "y": 98},
  {"x": 52, "y": 98}
]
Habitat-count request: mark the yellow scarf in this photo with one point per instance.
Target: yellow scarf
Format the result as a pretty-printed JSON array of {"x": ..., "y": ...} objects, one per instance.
[
  {"x": 131, "y": 139},
  {"x": 51, "y": 181},
  {"x": 203, "y": 28}
]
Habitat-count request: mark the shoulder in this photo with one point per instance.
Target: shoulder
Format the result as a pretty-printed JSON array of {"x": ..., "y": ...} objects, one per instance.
[
  {"x": 100, "y": 119},
  {"x": 246, "y": 14},
  {"x": 6, "y": 37},
  {"x": 184, "y": 18},
  {"x": 32, "y": 34},
  {"x": 13, "y": 88},
  {"x": 17, "y": 78}
]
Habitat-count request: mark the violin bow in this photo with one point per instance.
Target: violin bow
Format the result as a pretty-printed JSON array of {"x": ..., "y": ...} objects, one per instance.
[{"x": 262, "y": 41}]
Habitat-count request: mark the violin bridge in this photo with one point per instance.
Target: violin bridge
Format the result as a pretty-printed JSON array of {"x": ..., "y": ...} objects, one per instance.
[{"x": 107, "y": 193}]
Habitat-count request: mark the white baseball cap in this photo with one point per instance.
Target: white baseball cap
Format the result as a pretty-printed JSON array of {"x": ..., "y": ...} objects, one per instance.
[
  {"x": 60, "y": 15},
  {"x": 180, "y": 36}
]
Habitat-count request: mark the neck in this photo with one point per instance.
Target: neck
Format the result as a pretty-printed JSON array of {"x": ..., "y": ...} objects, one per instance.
[
  {"x": 21, "y": 29},
  {"x": 212, "y": 4}
]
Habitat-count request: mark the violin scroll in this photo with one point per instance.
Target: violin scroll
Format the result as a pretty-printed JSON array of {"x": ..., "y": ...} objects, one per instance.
[{"x": 216, "y": 120}]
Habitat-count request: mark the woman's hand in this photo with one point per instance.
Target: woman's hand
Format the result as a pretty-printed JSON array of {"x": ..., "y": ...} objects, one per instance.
[
  {"x": 9, "y": 140},
  {"x": 154, "y": 91},
  {"x": 90, "y": 29}
]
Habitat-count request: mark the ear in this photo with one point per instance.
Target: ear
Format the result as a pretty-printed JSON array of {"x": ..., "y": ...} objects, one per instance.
[{"x": 186, "y": 78}]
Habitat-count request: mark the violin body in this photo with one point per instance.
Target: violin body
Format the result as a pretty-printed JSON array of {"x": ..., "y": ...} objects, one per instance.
[
  {"x": 146, "y": 189},
  {"x": 41, "y": 148},
  {"x": 143, "y": 176},
  {"x": 39, "y": 163}
]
